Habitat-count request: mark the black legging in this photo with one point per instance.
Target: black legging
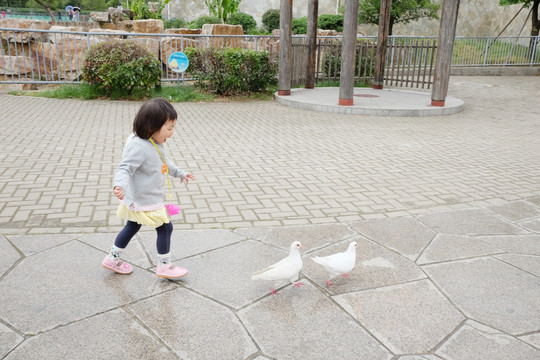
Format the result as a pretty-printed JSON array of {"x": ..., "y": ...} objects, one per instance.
[{"x": 163, "y": 242}]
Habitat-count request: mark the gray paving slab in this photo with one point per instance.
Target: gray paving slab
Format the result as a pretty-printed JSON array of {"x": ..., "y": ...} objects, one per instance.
[
  {"x": 405, "y": 235},
  {"x": 225, "y": 274},
  {"x": 9, "y": 339},
  {"x": 474, "y": 341},
  {"x": 135, "y": 251},
  {"x": 63, "y": 284},
  {"x": 469, "y": 222},
  {"x": 516, "y": 210},
  {"x": 311, "y": 237},
  {"x": 445, "y": 210},
  {"x": 189, "y": 243},
  {"x": 509, "y": 300},
  {"x": 447, "y": 247},
  {"x": 195, "y": 327},
  {"x": 9, "y": 255},
  {"x": 515, "y": 244},
  {"x": 533, "y": 339},
  {"x": 527, "y": 263},
  {"x": 304, "y": 324},
  {"x": 408, "y": 318},
  {"x": 376, "y": 266},
  {"x": 107, "y": 331},
  {"x": 533, "y": 225},
  {"x": 31, "y": 244}
]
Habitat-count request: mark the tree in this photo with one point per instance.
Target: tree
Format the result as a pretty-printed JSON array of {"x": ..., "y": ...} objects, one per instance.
[
  {"x": 96, "y": 5},
  {"x": 535, "y": 21},
  {"x": 50, "y": 6},
  {"x": 222, "y": 8},
  {"x": 402, "y": 11}
]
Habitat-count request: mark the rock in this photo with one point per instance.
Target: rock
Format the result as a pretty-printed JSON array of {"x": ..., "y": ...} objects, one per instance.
[
  {"x": 261, "y": 43},
  {"x": 115, "y": 15},
  {"x": 153, "y": 7},
  {"x": 24, "y": 24},
  {"x": 150, "y": 26},
  {"x": 108, "y": 31},
  {"x": 15, "y": 65},
  {"x": 223, "y": 29},
  {"x": 321, "y": 32},
  {"x": 126, "y": 26},
  {"x": 100, "y": 16},
  {"x": 67, "y": 28},
  {"x": 183, "y": 31}
]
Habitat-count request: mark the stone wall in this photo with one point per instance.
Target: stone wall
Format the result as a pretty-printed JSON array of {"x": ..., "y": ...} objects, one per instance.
[{"x": 476, "y": 17}]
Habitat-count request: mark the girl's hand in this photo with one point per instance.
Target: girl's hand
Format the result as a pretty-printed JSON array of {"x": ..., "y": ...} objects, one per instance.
[
  {"x": 187, "y": 178},
  {"x": 117, "y": 191}
]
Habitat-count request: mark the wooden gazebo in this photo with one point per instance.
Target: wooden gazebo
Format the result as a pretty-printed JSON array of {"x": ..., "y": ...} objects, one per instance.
[{"x": 443, "y": 60}]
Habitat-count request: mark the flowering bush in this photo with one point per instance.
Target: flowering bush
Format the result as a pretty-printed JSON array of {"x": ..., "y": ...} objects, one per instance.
[{"x": 120, "y": 67}]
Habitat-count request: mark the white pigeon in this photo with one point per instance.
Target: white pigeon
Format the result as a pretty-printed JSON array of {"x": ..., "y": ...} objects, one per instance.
[
  {"x": 338, "y": 264},
  {"x": 286, "y": 269}
]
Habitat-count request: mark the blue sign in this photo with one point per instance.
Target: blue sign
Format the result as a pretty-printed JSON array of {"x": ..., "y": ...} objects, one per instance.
[{"x": 178, "y": 62}]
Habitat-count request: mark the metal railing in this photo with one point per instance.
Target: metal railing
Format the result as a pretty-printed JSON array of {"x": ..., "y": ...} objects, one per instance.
[{"x": 44, "y": 56}]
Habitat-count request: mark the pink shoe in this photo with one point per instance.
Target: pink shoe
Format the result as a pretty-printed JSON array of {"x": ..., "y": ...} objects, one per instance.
[
  {"x": 118, "y": 266},
  {"x": 170, "y": 271}
]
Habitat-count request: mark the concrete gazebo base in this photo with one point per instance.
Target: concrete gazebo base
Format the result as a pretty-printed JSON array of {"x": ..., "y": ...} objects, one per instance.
[{"x": 367, "y": 101}]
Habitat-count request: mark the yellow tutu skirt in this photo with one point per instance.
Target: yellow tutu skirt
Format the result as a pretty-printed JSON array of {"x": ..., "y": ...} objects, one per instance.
[{"x": 154, "y": 218}]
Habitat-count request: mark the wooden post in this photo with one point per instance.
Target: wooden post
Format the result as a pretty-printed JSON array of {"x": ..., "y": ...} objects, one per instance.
[
  {"x": 313, "y": 10},
  {"x": 285, "y": 48},
  {"x": 382, "y": 42},
  {"x": 348, "y": 53},
  {"x": 443, "y": 62}
]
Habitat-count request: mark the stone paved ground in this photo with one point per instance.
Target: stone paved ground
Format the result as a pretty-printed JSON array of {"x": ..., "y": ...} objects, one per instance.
[{"x": 446, "y": 211}]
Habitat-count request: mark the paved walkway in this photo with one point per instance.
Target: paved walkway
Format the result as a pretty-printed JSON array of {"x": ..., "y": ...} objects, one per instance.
[{"x": 446, "y": 211}]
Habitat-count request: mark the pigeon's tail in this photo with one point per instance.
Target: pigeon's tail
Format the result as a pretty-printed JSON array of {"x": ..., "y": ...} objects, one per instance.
[
  {"x": 259, "y": 274},
  {"x": 319, "y": 260}
]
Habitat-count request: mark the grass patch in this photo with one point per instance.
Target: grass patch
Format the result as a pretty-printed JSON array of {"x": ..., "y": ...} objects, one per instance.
[
  {"x": 82, "y": 91},
  {"x": 181, "y": 93},
  {"x": 173, "y": 93}
]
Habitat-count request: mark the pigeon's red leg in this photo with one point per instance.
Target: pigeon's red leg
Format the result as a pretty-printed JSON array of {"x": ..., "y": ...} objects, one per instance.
[
  {"x": 346, "y": 275},
  {"x": 274, "y": 292},
  {"x": 329, "y": 283},
  {"x": 298, "y": 284}
]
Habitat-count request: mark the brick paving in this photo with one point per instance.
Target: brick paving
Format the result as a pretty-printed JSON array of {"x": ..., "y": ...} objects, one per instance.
[{"x": 265, "y": 164}]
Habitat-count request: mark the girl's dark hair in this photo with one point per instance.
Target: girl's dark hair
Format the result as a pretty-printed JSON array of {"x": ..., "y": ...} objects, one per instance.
[{"x": 151, "y": 117}]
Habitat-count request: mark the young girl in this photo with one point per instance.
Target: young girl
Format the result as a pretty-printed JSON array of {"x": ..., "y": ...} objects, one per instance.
[{"x": 139, "y": 184}]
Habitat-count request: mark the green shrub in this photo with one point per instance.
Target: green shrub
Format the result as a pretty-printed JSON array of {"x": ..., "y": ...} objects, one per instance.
[
  {"x": 247, "y": 21},
  {"x": 174, "y": 24},
  {"x": 330, "y": 22},
  {"x": 331, "y": 60},
  {"x": 299, "y": 25},
  {"x": 226, "y": 71},
  {"x": 201, "y": 20},
  {"x": 259, "y": 31},
  {"x": 270, "y": 19},
  {"x": 120, "y": 67}
]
